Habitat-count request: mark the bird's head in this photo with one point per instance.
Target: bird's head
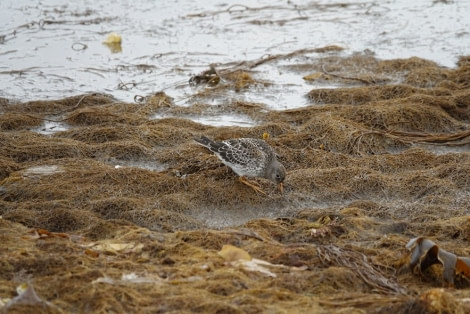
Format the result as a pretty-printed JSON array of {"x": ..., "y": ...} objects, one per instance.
[{"x": 277, "y": 174}]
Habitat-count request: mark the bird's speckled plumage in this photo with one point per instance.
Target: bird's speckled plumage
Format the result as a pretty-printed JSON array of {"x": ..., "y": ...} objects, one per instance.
[{"x": 247, "y": 157}]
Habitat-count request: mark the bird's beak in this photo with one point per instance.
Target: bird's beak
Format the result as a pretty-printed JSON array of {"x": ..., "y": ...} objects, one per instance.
[{"x": 281, "y": 187}]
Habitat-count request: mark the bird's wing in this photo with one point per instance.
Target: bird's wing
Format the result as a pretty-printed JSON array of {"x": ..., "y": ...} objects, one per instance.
[{"x": 239, "y": 152}]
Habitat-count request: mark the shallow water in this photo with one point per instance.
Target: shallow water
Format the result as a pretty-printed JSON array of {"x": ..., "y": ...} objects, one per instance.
[
  {"x": 50, "y": 127},
  {"x": 218, "y": 120},
  {"x": 53, "y": 49}
]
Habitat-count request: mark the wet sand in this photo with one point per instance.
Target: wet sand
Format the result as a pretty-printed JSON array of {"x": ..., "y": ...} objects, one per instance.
[{"x": 106, "y": 208}]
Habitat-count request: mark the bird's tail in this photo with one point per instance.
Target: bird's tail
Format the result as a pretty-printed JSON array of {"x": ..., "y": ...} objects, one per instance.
[{"x": 204, "y": 141}]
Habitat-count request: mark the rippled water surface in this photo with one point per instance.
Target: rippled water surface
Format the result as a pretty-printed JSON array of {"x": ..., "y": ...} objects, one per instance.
[{"x": 52, "y": 49}]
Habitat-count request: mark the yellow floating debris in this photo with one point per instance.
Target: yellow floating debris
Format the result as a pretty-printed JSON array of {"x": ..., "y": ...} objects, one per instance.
[
  {"x": 113, "y": 41},
  {"x": 113, "y": 38}
]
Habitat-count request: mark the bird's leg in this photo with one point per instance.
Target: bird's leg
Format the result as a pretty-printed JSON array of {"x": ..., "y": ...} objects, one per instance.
[{"x": 253, "y": 185}]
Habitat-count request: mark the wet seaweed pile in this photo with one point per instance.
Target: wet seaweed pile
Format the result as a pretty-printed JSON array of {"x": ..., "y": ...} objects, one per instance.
[{"x": 120, "y": 212}]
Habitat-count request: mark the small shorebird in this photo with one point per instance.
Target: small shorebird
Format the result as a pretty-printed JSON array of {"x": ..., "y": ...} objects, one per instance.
[{"x": 248, "y": 157}]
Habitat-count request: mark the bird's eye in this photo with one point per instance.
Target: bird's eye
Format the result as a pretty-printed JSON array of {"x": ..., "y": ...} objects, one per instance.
[{"x": 278, "y": 176}]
